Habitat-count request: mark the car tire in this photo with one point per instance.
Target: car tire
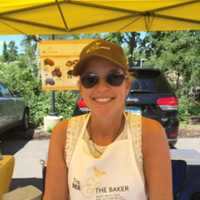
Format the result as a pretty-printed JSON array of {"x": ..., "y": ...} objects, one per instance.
[{"x": 172, "y": 144}]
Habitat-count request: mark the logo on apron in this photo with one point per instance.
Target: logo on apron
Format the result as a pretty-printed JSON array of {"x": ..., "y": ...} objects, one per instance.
[
  {"x": 88, "y": 189},
  {"x": 76, "y": 184}
]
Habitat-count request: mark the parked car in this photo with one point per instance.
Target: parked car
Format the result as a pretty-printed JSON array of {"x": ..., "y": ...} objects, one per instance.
[
  {"x": 13, "y": 111},
  {"x": 151, "y": 92},
  {"x": 152, "y": 96}
]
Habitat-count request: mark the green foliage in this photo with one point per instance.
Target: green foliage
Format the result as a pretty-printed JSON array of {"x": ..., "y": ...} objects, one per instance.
[
  {"x": 188, "y": 108},
  {"x": 9, "y": 51},
  {"x": 41, "y": 105},
  {"x": 18, "y": 79},
  {"x": 183, "y": 109},
  {"x": 5, "y": 52},
  {"x": 65, "y": 103}
]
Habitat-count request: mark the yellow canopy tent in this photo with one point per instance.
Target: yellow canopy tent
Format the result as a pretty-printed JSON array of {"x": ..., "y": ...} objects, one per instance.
[{"x": 92, "y": 16}]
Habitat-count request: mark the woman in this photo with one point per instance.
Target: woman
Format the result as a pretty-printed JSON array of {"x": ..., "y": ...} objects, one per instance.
[{"x": 107, "y": 154}]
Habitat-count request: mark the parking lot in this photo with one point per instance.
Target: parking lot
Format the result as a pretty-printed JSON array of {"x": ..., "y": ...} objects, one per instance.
[{"x": 28, "y": 154}]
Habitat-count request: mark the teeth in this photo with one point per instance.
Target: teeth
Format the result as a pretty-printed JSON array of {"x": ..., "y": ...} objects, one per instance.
[{"x": 102, "y": 99}]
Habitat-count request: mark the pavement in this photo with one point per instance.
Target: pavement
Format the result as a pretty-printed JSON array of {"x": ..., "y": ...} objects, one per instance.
[
  {"x": 28, "y": 159},
  {"x": 28, "y": 156},
  {"x": 187, "y": 149},
  {"x": 189, "y": 143}
]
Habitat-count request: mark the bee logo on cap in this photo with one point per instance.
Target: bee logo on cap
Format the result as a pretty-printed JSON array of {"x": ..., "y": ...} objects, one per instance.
[{"x": 96, "y": 46}]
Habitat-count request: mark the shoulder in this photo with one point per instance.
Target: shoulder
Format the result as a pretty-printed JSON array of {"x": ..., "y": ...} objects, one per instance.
[
  {"x": 60, "y": 130},
  {"x": 58, "y": 135},
  {"x": 153, "y": 136},
  {"x": 147, "y": 124},
  {"x": 151, "y": 125},
  {"x": 60, "y": 126}
]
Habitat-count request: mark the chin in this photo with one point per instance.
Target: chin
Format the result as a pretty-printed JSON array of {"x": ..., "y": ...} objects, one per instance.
[{"x": 104, "y": 112}]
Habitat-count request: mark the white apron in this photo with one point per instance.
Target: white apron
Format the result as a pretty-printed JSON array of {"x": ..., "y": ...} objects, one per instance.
[{"x": 112, "y": 176}]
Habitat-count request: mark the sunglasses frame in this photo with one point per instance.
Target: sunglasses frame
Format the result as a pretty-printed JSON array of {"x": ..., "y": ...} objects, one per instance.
[{"x": 119, "y": 77}]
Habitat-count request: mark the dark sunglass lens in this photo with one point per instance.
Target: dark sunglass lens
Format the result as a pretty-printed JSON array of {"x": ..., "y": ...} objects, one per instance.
[
  {"x": 89, "y": 80},
  {"x": 115, "y": 79}
]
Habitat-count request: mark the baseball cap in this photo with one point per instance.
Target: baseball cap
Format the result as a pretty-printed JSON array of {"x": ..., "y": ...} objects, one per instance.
[{"x": 103, "y": 49}]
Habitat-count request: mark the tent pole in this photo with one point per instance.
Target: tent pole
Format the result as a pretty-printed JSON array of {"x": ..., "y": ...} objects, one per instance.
[{"x": 53, "y": 97}]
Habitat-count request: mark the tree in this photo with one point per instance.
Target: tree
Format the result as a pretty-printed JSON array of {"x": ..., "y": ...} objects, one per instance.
[
  {"x": 5, "y": 52},
  {"x": 10, "y": 52},
  {"x": 29, "y": 56},
  {"x": 176, "y": 54}
]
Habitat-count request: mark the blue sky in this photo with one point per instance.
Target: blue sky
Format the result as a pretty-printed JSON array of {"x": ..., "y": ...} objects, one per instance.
[{"x": 7, "y": 38}]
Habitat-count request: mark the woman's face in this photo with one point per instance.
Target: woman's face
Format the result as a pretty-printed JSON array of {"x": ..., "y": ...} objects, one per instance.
[{"x": 103, "y": 99}]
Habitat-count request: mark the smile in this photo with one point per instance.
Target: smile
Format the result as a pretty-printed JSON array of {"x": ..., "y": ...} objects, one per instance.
[{"x": 103, "y": 100}]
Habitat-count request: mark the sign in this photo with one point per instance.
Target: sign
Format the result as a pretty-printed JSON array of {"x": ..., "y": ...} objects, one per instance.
[{"x": 57, "y": 59}]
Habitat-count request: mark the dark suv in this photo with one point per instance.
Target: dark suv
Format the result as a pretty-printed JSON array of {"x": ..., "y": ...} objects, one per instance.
[
  {"x": 152, "y": 96},
  {"x": 151, "y": 92}
]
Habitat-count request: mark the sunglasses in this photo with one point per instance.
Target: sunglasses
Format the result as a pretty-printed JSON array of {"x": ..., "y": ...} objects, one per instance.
[{"x": 89, "y": 80}]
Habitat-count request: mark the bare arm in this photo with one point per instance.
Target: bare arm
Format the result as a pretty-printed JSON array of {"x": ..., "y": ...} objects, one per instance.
[
  {"x": 56, "y": 185},
  {"x": 157, "y": 163}
]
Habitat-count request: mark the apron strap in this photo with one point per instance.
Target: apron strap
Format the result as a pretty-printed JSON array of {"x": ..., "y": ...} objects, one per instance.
[{"x": 74, "y": 130}]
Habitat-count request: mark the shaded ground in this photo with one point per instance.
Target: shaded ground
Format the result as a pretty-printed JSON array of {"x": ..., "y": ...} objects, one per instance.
[{"x": 21, "y": 182}]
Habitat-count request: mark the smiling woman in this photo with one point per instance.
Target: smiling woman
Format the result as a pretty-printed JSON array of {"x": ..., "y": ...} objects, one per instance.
[{"x": 108, "y": 153}]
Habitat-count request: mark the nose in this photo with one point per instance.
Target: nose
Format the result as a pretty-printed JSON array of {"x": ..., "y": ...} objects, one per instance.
[{"x": 102, "y": 85}]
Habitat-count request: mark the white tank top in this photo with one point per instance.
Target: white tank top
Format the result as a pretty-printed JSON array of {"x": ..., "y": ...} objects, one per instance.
[{"x": 112, "y": 176}]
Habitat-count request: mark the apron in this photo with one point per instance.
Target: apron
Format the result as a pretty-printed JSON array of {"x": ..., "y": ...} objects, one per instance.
[{"x": 112, "y": 176}]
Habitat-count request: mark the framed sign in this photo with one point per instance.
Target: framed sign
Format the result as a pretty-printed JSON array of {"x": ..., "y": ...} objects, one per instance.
[{"x": 57, "y": 59}]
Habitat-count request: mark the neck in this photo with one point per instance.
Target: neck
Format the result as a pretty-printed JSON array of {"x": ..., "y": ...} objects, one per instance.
[{"x": 104, "y": 131}]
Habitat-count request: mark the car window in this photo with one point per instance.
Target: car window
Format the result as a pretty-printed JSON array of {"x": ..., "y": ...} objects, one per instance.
[
  {"x": 150, "y": 83},
  {"x": 162, "y": 84},
  {"x": 143, "y": 85},
  {"x": 4, "y": 92}
]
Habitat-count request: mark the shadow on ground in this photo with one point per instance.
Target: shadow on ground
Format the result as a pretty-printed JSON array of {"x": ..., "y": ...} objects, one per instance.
[
  {"x": 14, "y": 140},
  {"x": 21, "y": 182}
]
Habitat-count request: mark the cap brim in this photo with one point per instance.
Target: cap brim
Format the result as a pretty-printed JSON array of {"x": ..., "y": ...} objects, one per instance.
[{"x": 78, "y": 68}]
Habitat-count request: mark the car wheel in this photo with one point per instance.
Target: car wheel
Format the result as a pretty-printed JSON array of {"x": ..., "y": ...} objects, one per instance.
[
  {"x": 172, "y": 144},
  {"x": 25, "y": 120}
]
